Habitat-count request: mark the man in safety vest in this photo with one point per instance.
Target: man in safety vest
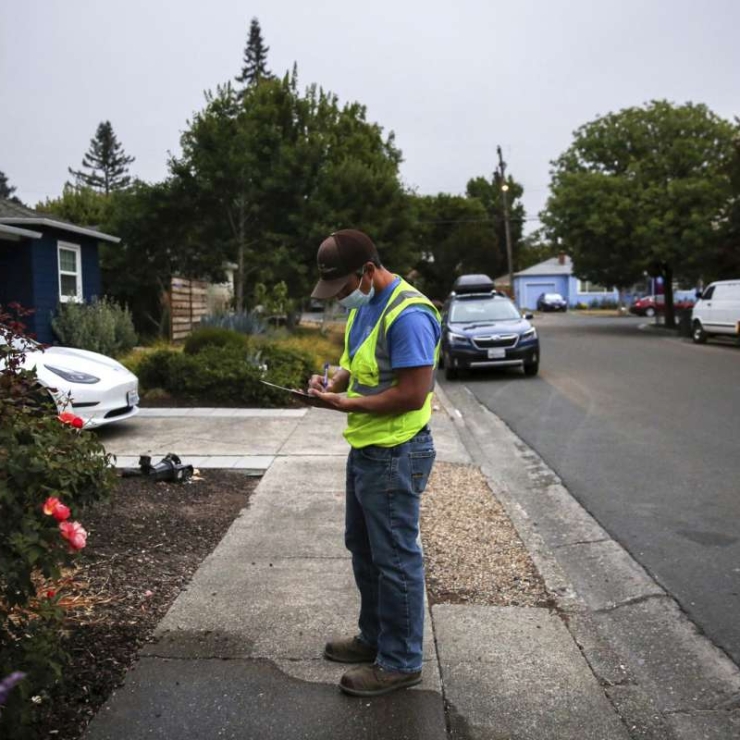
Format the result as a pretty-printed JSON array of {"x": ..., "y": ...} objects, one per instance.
[{"x": 391, "y": 346}]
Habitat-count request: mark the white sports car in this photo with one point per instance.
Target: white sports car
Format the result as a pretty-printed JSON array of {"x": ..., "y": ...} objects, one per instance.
[{"x": 94, "y": 387}]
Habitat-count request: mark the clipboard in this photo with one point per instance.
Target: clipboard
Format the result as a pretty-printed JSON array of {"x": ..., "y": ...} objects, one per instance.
[{"x": 299, "y": 394}]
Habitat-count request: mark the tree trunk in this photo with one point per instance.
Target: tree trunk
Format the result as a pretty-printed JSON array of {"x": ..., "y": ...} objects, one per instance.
[
  {"x": 240, "y": 261},
  {"x": 670, "y": 312}
]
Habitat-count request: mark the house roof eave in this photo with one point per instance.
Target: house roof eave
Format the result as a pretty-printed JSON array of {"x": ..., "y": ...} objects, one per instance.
[
  {"x": 15, "y": 234},
  {"x": 60, "y": 225}
]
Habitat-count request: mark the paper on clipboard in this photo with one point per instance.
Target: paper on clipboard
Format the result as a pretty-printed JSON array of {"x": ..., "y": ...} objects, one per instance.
[{"x": 300, "y": 394}]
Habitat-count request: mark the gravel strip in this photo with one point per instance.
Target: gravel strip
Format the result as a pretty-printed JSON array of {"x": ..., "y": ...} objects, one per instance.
[{"x": 472, "y": 553}]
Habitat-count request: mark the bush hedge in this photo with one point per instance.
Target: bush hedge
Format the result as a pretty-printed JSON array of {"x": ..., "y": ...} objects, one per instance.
[
  {"x": 227, "y": 374},
  {"x": 214, "y": 336},
  {"x": 101, "y": 326}
]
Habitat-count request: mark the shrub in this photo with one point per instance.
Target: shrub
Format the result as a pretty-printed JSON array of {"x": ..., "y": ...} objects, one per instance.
[
  {"x": 315, "y": 347},
  {"x": 101, "y": 326},
  {"x": 248, "y": 322},
  {"x": 213, "y": 336},
  {"x": 49, "y": 471},
  {"x": 227, "y": 374}
]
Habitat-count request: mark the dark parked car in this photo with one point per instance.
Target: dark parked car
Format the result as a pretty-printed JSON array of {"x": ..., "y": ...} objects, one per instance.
[
  {"x": 483, "y": 328},
  {"x": 551, "y": 302}
]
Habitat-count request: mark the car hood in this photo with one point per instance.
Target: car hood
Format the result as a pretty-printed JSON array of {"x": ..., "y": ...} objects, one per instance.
[
  {"x": 75, "y": 359},
  {"x": 481, "y": 329}
]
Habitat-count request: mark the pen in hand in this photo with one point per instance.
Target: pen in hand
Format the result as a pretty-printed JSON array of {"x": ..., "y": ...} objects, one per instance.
[{"x": 325, "y": 381}]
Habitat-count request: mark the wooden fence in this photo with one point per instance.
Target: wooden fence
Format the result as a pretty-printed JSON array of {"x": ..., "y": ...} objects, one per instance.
[{"x": 188, "y": 301}]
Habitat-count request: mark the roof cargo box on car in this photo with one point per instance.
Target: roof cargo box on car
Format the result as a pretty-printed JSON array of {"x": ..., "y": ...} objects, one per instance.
[{"x": 473, "y": 284}]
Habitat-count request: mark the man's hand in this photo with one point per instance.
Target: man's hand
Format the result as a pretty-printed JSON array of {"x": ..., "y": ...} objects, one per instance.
[
  {"x": 338, "y": 383},
  {"x": 327, "y": 400},
  {"x": 316, "y": 383}
]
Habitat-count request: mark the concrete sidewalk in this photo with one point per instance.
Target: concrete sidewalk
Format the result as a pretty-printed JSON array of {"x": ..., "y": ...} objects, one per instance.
[{"x": 239, "y": 653}]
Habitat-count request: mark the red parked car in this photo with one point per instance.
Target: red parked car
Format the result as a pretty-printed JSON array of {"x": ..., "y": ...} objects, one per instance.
[{"x": 649, "y": 305}]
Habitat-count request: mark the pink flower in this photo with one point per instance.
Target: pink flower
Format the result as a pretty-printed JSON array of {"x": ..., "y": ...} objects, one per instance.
[
  {"x": 50, "y": 504},
  {"x": 74, "y": 533},
  {"x": 54, "y": 507},
  {"x": 61, "y": 512}
]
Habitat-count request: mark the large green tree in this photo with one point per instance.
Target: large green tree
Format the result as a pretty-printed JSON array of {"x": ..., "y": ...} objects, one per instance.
[
  {"x": 156, "y": 243},
  {"x": 254, "y": 65},
  {"x": 105, "y": 164},
  {"x": 272, "y": 172},
  {"x": 726, "y": 261},
  {"x": 642, "y": 190},
  {"x": 79, "y": 205}
]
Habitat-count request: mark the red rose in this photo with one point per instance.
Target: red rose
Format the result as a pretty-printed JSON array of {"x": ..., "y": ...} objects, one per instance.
[
  {"x": 67, "y": 417},
  {"x": 77, "y": 422},
  {"x": 61, "y": 512},
  {"x": 50, "y": 504}
]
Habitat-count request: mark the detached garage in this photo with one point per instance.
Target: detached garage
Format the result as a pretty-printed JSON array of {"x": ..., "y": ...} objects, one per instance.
[{"x": 556, "y": 276}]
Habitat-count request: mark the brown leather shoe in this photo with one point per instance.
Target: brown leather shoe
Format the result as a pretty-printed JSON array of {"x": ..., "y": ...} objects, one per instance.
[
  {"x": 350, "y": 650},
  {"x": 372, "y": 680}
]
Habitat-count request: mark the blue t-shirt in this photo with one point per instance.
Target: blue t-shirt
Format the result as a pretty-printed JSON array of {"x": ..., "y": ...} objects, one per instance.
[{"x": 412, "y": 338}]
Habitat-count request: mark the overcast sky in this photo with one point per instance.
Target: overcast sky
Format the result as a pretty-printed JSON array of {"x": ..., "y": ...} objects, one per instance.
[{"x": 451, "y": 79}]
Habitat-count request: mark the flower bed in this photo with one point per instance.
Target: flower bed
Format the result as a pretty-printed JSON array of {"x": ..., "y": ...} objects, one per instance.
[{"x": 143, "y": 545}]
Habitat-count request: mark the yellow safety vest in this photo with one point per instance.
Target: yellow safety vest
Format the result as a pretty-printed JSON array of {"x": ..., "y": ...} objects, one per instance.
[{"x": 371, "y": 373}]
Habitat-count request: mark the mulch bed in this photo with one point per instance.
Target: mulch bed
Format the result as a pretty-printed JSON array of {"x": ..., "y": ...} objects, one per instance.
[{"x": 143, "y": 546}]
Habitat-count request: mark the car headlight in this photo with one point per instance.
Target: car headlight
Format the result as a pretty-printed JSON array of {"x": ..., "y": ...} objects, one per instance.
[
  {"x": 530, "y": 334},
  {"x": 457, "y": 339},
  {"x": 73, "y": 376}
]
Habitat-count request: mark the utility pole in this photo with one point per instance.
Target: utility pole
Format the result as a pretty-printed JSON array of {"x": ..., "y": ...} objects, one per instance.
[{"x": 501, "y": 172}]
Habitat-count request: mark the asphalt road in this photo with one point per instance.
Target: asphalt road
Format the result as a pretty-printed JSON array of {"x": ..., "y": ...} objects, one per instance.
[{"x": 644, "y": 430}]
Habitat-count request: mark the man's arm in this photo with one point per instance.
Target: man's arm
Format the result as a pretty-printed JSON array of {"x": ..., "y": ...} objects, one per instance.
[{"x": 408, "y": 395}]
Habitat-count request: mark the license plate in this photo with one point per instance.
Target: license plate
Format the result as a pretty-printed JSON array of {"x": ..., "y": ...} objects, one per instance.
[
  {"x": 132, "y": 398},
  {"x": 496, "y": 353}
]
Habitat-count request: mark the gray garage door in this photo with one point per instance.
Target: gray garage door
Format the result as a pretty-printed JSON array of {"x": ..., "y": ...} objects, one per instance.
[{"x": 532, "y": 292}]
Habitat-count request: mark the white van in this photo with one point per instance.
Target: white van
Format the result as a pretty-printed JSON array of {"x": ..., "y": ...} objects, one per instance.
[{"x": 717, "y": 311}]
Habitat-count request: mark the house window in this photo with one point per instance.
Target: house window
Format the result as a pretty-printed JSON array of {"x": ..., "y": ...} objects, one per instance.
[
  {"x": 586, "y": 286},
  {"x": 70, "y": 272}
]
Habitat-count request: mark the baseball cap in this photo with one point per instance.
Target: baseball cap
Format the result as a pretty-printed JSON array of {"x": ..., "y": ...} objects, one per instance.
[{"x": 340, "y": 255}]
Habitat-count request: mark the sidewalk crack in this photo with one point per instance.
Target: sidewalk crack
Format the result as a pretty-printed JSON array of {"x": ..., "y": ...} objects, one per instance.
[
  {"x": 630, "y": 602},
  {"x": 582, "y": 542}
]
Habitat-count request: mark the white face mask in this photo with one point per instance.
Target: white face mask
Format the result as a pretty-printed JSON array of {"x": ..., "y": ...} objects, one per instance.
[{"x": 357, "y": 299}]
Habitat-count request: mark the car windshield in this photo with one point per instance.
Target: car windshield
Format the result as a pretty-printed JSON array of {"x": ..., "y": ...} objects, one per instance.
[{"x": 487, "y": 309}]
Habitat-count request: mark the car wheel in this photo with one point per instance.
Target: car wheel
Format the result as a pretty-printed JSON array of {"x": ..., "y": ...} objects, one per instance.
[
  {"x": 450, "y": 370},
  {"x": 650, "y": 312},
  {"x": 698, "y": 334},
  {"x": 532, "y": 367},
  {"x": 441, "y": 362}
]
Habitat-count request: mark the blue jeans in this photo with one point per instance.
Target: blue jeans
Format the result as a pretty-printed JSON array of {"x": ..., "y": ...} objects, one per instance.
[{"x": 384, "y": 487}]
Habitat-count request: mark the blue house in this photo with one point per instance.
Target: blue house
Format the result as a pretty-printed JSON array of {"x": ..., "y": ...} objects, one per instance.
[
  {"x": 45, "y": 261},
  {"x": 555, "y": 275}
]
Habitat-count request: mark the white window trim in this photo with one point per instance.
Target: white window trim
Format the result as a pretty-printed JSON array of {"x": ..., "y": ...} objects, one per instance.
[
  {"x": 592, "y": 292},
  {"x": 78, "y": 298}
]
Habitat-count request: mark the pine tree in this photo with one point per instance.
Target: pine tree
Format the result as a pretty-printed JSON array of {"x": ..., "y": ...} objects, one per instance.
[
  {"x": 6, "y": 190},
  {"x": 107, "y": 162},
  {"x": 254, "y": 68}
]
